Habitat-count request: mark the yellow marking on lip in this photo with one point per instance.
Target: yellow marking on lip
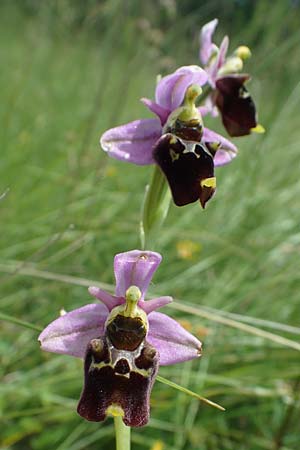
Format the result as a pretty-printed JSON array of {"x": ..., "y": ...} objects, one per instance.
[
  {"x": 174, "y": 155},
  {"x": 214, "y": 145},
  {"x": 258, "y": 129},
  {"x": 173, "y": 140},
  {"x": 115, "y": 411},
  {"x": 209, "y": 182}
]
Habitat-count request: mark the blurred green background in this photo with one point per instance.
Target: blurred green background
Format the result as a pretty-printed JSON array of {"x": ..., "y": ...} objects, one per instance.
[{"x": 72, "y": 69}]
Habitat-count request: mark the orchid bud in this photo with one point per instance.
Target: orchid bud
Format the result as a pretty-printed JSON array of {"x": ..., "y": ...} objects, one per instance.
[{"x": 243, "y": 52}]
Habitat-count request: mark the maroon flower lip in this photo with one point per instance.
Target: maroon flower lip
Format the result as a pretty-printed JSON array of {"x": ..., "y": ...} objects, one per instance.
[
  {"x": 125, "y": 383},
  {"x": 186, "y": 165},
  {"x": 235, "y": 105}
]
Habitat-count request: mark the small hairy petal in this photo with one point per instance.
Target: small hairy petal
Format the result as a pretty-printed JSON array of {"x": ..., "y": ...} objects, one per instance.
[
  {"x": 206, "y": 44},
  {"x": 151, "y": 305},
  {"x": 171, "y": 89},
  {"x": 132, "y": 142},
  {"x": 71, "y": 333},
  {"x": 173, "y": 342},
  {"x": 135, "y": 268},
  {"x": 227, "y": 150},
  {"x": 161, "y": 112},
  {"x": 110, "y": 301}
]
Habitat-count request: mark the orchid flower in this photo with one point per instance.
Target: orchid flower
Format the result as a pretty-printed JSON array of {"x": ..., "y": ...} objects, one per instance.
[
  {"x": 229, "y": 95},
  {"x": 123, "y": 341},
  {"x": 176, "y": 140}
]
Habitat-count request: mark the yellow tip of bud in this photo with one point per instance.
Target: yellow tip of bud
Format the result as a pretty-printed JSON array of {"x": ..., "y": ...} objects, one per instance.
[
  {"x": 209, "y": 182},
  {"x": 243, "y": 52},
  {"x": 258, "y": 129}
]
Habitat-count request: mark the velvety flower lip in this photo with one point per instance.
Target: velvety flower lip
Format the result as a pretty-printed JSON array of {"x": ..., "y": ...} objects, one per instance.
[
  {"x": 71, "y": 333},
  {"x": 236, "y": 105},
  {"x": 121, "y": 387},
  {"x": 185, "y": 166}
]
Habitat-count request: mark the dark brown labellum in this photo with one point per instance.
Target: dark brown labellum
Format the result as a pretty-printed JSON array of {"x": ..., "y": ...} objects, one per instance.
[
  {"x": 124, "y": 380},
  {"x": 185, "y": 164},
  {"x": 235, "y": 104}
]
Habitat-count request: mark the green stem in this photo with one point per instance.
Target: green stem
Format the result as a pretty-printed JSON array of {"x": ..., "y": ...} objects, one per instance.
[
  {"x": 122, "y": 434},
  {"x": 155, "y": 206}
]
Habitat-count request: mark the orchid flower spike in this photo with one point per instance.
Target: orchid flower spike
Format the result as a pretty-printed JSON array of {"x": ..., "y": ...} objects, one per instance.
[
  {"x": 123, "y": 340},
  {"x": 229, "y": 95},
  {"x": 177, "y": 141}
]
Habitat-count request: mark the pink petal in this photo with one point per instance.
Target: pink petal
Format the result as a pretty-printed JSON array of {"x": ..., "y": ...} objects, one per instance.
[
  {"x": 223, "y": 157},
  {"x": 135, "y": 268},
  {"x": 110, "y": 301},
  {"x": 220, "y": 60},
  {"x": 206, "y": 45},
  {"x": 132, "y": 142},
  {"x": 204, "y": 110},
  {"x": 71, "y": 333},
  {"x": 161, "y": 112},
  {"x": 151, "y": 305},
  {"x": 173, "y": 342},
  {"x": 227, "y": 150},
  {"x": 171, "y": 89},
  {"x": 209, "y": 107}
]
